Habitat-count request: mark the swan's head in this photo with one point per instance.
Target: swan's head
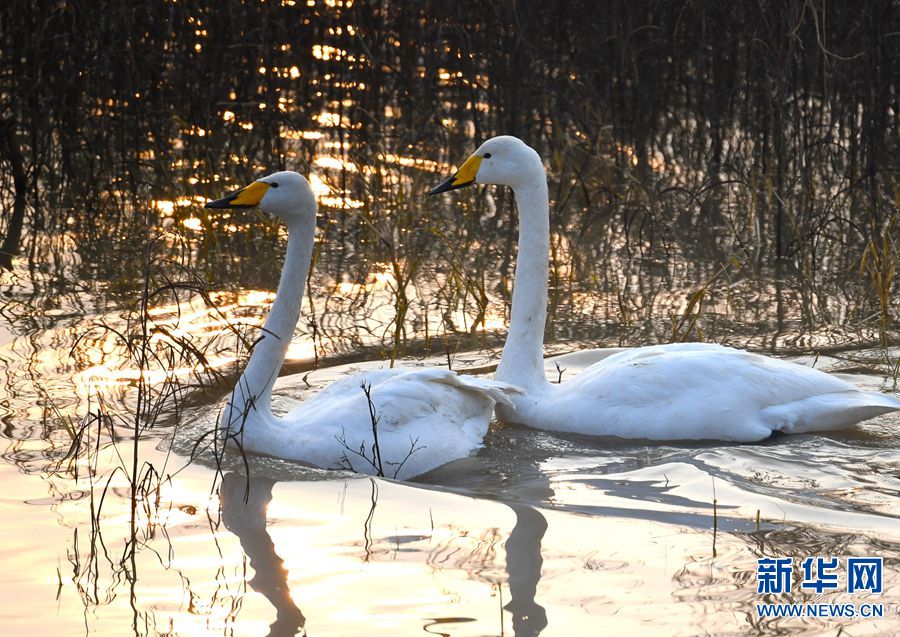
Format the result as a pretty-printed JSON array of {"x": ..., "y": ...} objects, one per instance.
[
  {"x": 503, "y": 160},
  {"x": 285, "y": 194}
]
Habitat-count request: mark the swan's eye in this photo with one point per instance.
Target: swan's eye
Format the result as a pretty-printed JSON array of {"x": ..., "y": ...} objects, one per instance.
[
  {"x": 274, "y": 184},
  {"x": 487, "y": 155}
]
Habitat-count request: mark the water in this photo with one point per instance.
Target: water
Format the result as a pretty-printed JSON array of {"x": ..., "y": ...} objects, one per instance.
[
  {"x": 537, "y": 534},
  {"x": 738, "y": 189}
]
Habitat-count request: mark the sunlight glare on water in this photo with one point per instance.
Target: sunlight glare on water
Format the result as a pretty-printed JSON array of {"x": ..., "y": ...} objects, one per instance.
[
  {"x": 537, "y": 534},
  {"x": 579, "y": 531},
  {"x": 692, "y": 198}
]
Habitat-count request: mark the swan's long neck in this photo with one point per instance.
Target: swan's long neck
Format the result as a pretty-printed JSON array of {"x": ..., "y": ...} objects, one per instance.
[
  {"x": 252, "y": 394},
  {"x": 522, "y": 362}
]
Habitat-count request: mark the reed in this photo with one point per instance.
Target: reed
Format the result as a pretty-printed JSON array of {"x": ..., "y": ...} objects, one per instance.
[
  {"x": 797, "y": 173},
  {"x": 109, "y": 445}
]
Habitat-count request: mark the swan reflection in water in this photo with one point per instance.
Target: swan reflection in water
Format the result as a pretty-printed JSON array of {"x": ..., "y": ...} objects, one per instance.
[
  {"x": 523, "y": 567},
  {"x": 244, "y": 503}
]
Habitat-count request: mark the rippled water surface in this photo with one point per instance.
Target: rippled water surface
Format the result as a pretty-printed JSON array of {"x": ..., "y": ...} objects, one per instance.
[
  {"x": 537, "y": 534},
  {"x": 720, "y": 172}
]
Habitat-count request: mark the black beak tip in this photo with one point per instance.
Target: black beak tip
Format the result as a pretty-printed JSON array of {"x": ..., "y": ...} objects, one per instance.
[
  {"x": 445, "y": 186},
  {"x": 225, "y": 203},
  {"x": 218, "y": 204}
]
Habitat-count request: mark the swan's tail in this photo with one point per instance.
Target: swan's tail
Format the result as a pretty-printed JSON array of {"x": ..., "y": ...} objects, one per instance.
[
  {"x": 837, "y": 410},
  {"x": 495, "y": 390}
]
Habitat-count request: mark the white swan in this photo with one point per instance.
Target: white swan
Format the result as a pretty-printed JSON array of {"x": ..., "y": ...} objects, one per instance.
[
  {"x": 664, "y": 392},
  {"x": 425, "y": 417}
]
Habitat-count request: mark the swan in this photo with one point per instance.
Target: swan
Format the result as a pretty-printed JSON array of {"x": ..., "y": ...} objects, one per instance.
[
  {"x": 425, "y": 417},
  {"x": 690, "y": 391}
]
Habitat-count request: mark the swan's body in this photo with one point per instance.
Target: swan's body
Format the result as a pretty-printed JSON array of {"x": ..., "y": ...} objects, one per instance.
[
  {"x": 698, "y": 391},
  {"x": 425, "y": 417},
  {"x": 665, "y": 392}
]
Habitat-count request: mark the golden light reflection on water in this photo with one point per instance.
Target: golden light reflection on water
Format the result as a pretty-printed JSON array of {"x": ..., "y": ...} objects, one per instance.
[
  {"x": 301, "y": 134},
  {"x": 168, "y": 207},
  {"x": 418, "y": 162},
  {"x": 335, "y": 163},
  {"x": 103, "y": 367},
  {"x": 333, "y": 120},
  {"x": 631, "y": 546},
  {"x": 193, "y": 223},
  {"x": 395, "y": 557},
  {"x": 615, "y": 547},
  {"x": 327, "y": 195}
]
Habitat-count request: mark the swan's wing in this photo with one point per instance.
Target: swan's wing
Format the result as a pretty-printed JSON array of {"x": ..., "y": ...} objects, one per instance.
[
  {"x": 410, "y": 383},
  {"x": 352, "y": 383},
  {"x": 705, "y": 391},
  {"x": 497, "y": 391},
  {"x": 404, "y": 399},
  {"x": 424, "y": 418},
  {"x": 670, "y": 351},
  {"x": 693, "y": 370}
]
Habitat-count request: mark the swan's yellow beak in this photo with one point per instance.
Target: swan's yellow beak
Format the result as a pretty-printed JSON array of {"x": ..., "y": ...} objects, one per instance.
[
  {"x": 463, "y": 177},
  {"x": 246, "y": 197}
]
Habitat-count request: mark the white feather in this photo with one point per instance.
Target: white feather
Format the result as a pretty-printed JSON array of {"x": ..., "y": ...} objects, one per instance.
[
  {"x": 665, "y": 392},
  {"x": 424, "y": 417}
]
